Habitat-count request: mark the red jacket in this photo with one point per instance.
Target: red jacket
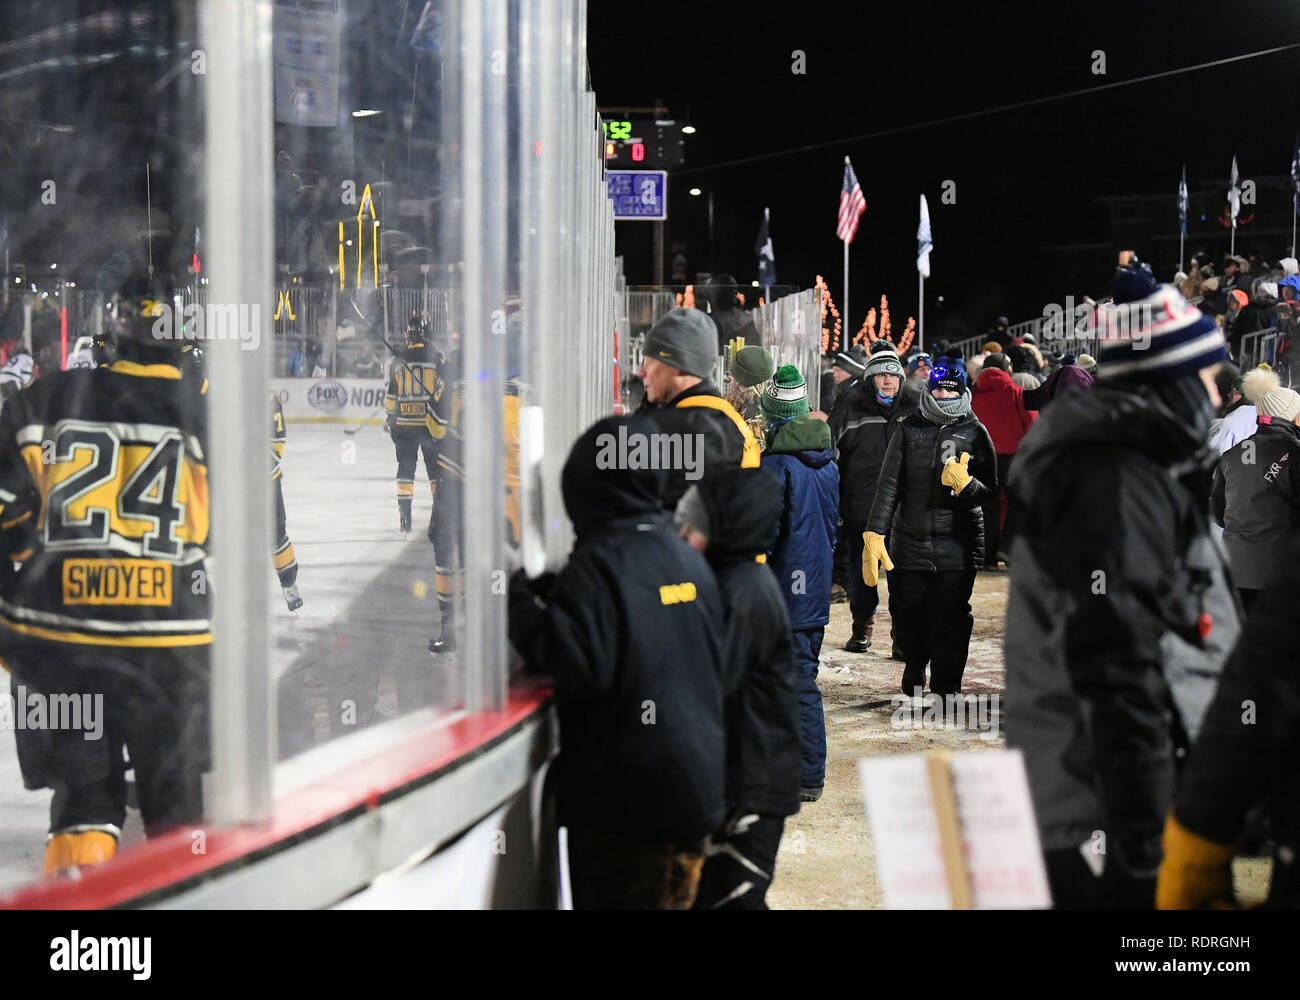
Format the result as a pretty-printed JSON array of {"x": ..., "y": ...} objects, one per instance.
[{"x": 1000, "y": 406}]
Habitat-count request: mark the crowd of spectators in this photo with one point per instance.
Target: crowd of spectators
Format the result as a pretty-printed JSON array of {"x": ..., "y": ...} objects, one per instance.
[{"x": 684, "y": 636}]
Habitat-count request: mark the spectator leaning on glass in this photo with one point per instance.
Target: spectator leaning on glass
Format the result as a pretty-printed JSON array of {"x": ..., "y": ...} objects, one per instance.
[
  {"x": 631, "y": 630},
  {"x": 939, "y": 472}
]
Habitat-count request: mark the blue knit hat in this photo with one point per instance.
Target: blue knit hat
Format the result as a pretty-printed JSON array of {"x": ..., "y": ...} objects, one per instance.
[
  {"x": 1157, "y": 337},
  {"x": 914, "y": 362},
  {"x": 948, "y": 373}
]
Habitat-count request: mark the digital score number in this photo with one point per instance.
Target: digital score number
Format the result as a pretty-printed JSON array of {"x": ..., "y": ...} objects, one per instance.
[{"x": 647, "y": 143}]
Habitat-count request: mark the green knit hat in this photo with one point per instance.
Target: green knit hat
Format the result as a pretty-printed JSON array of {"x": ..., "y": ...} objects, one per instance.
[
  {"x": 751, "y": 365},
  {"x": 786, "y": 396}
]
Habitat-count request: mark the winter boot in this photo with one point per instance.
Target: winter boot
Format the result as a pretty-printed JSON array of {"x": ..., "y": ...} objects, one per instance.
[
  {"x": 861, "y": 640},
  {"x": 78, "y": 847},
  {"x": 404, "y": 511}
]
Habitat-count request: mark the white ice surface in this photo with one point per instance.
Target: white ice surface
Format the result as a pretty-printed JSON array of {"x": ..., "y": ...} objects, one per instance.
[{"x": 342, "y": 516}]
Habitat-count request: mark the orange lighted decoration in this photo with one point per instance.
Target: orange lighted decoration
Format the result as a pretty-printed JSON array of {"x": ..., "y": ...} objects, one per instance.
[
  {"x": 830, "y": 336},
  {"x": 868, "y": 331}
]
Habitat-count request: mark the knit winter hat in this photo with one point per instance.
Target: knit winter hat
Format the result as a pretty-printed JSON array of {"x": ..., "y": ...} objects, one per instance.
[
  {"x": 1289, "y": 266},
  {"x": 786, "y": 395},
  {"x": 884, "y": 363},
  {"x": 948, "y": 373},
  {"x": 1156, "y": 338},
  {"x": 1087, "y": 362},
  {"x": 691, "y": 511},
  {"x": 686, "y": 339},
  {"x": 751, "y": 365},
  {"x": 1241, "y": 298},
  {"x": 914, "y": 362},
  {"x": 1263, "y": 388},
  {"x": 845, "y": 361},
  {"x": 992, "y": 347}
]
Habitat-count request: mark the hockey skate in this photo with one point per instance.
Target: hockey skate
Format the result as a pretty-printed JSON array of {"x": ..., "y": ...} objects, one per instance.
[
  {"x": 446, "y": 641},
  {"x": 405, "y": 515},
  {"x": 292, "y": 597}
]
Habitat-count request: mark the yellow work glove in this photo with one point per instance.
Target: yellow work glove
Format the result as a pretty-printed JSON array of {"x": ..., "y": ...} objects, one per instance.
[
  {"x": 873, "y": 554},
  {"x": 956, "y": 474},
  {"x": 1196, "y": 873}
]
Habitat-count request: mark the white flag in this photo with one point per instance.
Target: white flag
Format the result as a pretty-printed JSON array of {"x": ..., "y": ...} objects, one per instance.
[
  {"x": 923, "y": 242},
  {"x": 1234, "y": 194}
]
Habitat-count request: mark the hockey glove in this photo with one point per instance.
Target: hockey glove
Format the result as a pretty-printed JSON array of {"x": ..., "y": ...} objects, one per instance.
[
  {"x": 1196, "y": 873},
  {"x": 873, "y": 556}
]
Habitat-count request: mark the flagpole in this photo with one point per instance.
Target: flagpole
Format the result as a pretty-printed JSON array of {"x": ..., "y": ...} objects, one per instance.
[
  {"x": 920, "y": 313},
  {"x": 767, "y": 221},
  {"x": 844, "y": 318}
]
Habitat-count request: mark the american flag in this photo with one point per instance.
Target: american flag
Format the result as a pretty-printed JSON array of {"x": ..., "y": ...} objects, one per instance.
[{"x": 852, "y": 205}]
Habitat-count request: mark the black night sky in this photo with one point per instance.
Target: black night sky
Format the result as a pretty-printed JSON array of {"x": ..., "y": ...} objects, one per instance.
[{"x": 1028, "y": 227}]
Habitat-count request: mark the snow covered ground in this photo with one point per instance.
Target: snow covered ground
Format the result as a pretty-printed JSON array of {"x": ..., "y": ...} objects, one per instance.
[{"x": 355, "y": 655}]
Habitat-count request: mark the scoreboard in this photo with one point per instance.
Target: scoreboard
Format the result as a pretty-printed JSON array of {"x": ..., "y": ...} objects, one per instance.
[{"x": 643, "y": 144}]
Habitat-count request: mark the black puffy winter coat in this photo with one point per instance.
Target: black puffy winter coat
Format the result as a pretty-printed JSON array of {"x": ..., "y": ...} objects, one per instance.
[
  {"x": 631, "y": 632},
  {"x": 930, "y": 529},
  {"x": 1257, "y": 500},
  {"x": 860, "y": 432},
  {"x": 763, "y": 743}
]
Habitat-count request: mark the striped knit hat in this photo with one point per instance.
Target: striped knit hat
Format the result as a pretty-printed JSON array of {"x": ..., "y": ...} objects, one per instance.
[
  {"x": 847, "y": 362},
  {"x": 1157, "y": 337},
  {"x": 785, "y": 396},
  {"x": 885, "y": 363}
]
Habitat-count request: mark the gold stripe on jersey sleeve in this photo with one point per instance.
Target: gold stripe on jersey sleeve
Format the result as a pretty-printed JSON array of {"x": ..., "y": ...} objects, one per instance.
[{"x": 90, "y": 639}]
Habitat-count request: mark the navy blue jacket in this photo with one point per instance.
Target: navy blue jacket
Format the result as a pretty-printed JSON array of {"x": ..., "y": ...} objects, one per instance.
[{"x": 799, "y": 455}]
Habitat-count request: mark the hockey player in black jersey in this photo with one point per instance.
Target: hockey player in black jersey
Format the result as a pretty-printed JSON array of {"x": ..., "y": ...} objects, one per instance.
[
  {"x": 282, "y": 556},
  {"x": 104, "y": 504},
  {"x": 446, "y": 527},
  {"x": 411, "y": 383},
  {"x": 286, "y": 562},
  {"x": 446, "y": 530}
]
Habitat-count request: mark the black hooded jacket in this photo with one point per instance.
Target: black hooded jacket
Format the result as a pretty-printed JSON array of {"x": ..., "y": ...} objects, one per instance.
[
  {"x": 763, "y": 743},
  {"x": 930, "y": 529},
  {"x": 630, "y": 630},
  {"x": 1120, "y": 617}
]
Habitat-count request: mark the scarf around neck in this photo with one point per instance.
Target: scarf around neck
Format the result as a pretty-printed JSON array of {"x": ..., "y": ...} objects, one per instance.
[{"x": 945, "y": 411}]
